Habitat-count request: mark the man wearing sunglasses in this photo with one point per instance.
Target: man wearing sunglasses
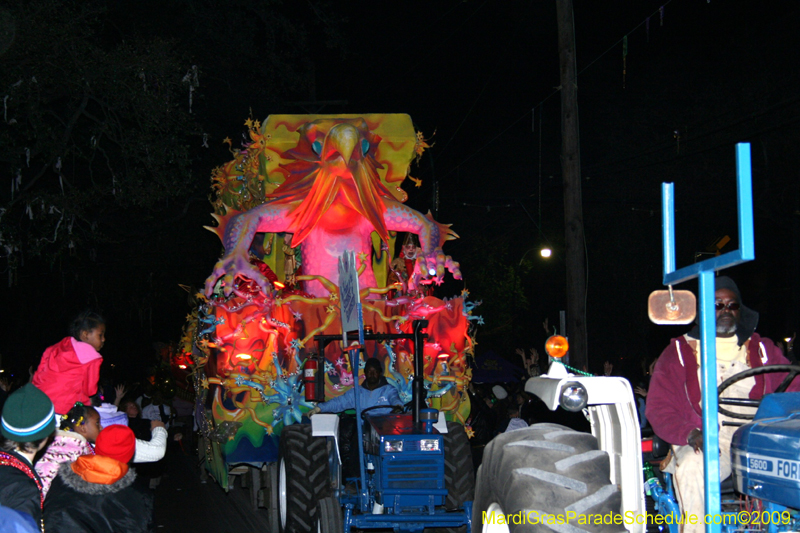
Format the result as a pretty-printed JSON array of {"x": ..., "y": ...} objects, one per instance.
[{"x": 673, "y": 400}]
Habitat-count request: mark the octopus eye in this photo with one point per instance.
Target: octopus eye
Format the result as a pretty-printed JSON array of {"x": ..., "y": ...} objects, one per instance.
[
  {"x": 317, "y": 147},
  {"x": 364, "y": 146}
]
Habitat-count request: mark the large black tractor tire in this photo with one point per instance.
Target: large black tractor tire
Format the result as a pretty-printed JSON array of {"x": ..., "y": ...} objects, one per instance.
[
  {"x": 545, "y": 471},
  {"x": 459, "y": 475},
  {"x": 271, "y": 497},
  {"x": 303, "y": 478},
  {"x": 330, "y": 516}
]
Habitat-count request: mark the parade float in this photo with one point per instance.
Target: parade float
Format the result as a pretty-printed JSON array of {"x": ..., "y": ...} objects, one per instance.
[{"x": 299, "y": 193}]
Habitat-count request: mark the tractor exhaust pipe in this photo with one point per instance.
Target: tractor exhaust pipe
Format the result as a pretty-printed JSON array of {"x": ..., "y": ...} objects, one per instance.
[{"x": 418, "y": 383}]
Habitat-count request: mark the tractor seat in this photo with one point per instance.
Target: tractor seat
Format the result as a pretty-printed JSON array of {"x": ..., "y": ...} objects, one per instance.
[{"x": 727, "y": 486}]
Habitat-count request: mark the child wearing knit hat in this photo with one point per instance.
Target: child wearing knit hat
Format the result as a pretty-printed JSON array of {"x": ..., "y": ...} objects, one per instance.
[
  {"x": 27, "y": 421},
  {"x": 96, "y": 492}
]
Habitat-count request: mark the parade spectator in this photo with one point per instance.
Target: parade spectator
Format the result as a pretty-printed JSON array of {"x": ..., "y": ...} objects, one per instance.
[
  {"x": 531, "y": 363},
  {"x": 514, "y": 421},
  {"x": 69, "y": 371},
  {"x": 140, "y": 426},
  {"x": 499, "y": 407},
  {"x": 28, "y": 420},
  {"x": 151, "y": 444},
  {"x": 119, "y": 394},
  {"x": 97, "y": 493},
  {"x": 673, "y": 399},
  {"x": 640, "y": 395},
  {"x": 13, "y": 521},
  {"x": 158, "y": 409},
  {"x": 480, "y": 417},
  {"x": 78, "y": 431},
  {"x": 5, "y": 390},
  {"x": 110, "y": 415}
]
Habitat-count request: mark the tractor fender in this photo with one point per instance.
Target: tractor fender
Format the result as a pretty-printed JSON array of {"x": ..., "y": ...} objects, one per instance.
[{"x": 327, "y": 425}]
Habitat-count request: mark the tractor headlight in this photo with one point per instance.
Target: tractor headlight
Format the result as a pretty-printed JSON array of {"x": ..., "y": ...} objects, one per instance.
[
  {"x": 429, "y": 445},
  {"x": 573, "y": 396},
  {"x": 394, "y": 446}
]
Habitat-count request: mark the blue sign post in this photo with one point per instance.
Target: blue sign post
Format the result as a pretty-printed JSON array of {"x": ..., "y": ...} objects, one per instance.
[{"x": 704, "y": 271}]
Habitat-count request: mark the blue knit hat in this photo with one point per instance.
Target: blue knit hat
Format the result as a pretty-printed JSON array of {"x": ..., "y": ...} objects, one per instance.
[{"x": 28, "y": 415}]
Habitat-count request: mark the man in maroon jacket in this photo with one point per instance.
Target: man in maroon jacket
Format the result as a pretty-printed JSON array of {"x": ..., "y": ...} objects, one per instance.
[{"x": 673, "y": 400}]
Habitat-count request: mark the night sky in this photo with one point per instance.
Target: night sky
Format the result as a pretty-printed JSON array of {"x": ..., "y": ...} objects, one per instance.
[{"x": 480, "y": 80}]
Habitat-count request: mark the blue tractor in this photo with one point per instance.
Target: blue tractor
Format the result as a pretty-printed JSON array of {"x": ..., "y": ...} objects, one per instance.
[{"x": 414, "y": 469}]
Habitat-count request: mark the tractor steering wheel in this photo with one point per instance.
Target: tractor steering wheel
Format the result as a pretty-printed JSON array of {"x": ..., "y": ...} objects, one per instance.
[
  {"x": 793, "y": 371},
  {"x": 368, "y": 409}
]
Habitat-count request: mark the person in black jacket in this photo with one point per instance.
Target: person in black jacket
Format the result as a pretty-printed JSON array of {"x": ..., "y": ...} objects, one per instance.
[
  {"x": 96, "y": 493},
  {"x": 28, "y": 420}
]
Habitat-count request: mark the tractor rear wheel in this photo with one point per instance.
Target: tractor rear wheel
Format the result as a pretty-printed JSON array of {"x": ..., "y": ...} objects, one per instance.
[
  {"x": 543, "y": 473},
  {"x": 329, "y": 516},
  {"x": 303, "y": 478}
]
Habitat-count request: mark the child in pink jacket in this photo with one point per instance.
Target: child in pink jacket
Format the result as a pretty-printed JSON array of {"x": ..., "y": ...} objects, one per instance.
[
  {"x": 78, "y": 431},
  {"x": 69, "y": 371}
]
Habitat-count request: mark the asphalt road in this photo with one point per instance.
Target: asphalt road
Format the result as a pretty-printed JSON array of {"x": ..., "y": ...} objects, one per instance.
[{"x": 184, "y": 502}]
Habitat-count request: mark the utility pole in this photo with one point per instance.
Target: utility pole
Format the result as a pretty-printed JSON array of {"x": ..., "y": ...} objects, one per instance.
[{"x": 573, "y": 205}]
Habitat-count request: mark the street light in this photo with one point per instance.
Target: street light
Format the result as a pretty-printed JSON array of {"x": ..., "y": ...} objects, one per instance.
[{"x": 545, "y": 251}]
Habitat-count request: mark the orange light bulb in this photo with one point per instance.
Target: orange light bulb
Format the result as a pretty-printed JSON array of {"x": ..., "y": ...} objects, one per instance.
[{"x": 556, "y": 346}]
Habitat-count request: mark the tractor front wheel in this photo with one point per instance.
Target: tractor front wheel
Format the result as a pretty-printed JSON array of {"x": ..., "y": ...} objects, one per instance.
[
  {"x": 329, "y": 516},
  {"x": 532, "y": 479}
]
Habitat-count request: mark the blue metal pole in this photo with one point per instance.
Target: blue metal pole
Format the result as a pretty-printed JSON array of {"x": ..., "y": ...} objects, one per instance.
[
  {"x": 744, "y": 196},
  {"x": 355, "y": 355},
  {"x": 708, "y": 384},
  {"x": 704, "y": 271},
  {"x": 668, "y": 226}
]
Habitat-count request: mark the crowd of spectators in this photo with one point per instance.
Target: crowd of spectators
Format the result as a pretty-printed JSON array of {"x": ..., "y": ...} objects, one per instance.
[{"x": 70, "y": 460}]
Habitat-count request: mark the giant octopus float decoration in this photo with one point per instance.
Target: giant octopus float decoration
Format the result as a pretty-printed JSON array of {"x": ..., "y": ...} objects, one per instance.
[{"x": 319, "y": 185}]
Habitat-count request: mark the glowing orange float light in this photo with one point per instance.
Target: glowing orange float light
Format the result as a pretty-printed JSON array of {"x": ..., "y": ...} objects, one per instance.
[
  {"x": 556, "y": 346},
  {"x": 278, "y": 285},
  {"x": 243, "y": 357}
]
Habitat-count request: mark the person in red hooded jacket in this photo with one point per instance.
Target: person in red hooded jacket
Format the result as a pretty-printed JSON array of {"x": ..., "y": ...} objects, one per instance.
[
  {"x": 673, "y": 399},
  {"x": 69, "y": 371}
]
